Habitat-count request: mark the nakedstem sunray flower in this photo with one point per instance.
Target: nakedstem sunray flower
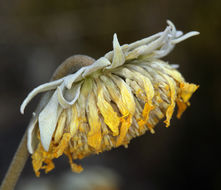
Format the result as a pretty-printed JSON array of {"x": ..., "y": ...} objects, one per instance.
[{"x": 106, "y": 104}]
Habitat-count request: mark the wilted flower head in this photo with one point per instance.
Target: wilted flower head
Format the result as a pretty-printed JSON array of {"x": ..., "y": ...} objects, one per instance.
[{"x": 106, "y": 104}]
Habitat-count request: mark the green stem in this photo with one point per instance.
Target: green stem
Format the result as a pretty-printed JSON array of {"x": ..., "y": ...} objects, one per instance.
[{"x": 16, "y": 166}]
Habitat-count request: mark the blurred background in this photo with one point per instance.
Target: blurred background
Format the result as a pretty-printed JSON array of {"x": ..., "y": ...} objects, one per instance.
[{"x": 36, "y": 36}]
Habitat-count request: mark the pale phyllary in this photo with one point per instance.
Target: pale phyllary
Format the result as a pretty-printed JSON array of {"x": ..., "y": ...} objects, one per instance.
[{"x": 104, "y": 105}]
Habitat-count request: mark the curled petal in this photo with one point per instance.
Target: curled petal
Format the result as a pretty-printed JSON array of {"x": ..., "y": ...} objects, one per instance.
[
  {"x": 68, "y": 80},
  {"x": 39, "y": 89},
  {"x": 184, "y": 37},
  {"x": 174, "y": 33},
  {"x": 74, "y": 92}
]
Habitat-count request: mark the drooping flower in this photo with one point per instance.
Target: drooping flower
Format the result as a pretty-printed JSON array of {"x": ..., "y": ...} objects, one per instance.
[{"x": 106, "y": 104}]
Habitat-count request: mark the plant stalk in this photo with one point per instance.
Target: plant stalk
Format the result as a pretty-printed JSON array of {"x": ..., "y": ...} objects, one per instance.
[
  {"x": 70, "y": 65},
  {"x": 16, "y": 166}
]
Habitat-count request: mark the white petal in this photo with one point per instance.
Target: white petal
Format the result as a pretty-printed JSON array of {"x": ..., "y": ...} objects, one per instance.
[
  {"x": 118, "y": 57},
  {"x": 164, "y": 50},
  {"x": 136, "y": 52},
  {"x": 48, "y": 120},
  {"x": 97, "y": 65},
  {"x": 39, "y": 89},
  {"x": 32, "y": 132},
  {"x": 174, "y": 66},
  {"x": 73, "y": 93},
  {"x": 85, "y": 71},
  {"x": 130, "y": 47},
  {"x": 68, "y": 80},
  {"x": 31, "y": 135},
  {"x": 184, "y": 37},
  {"x": 150, "y": 47},
  {"x": 173, "y": 29},
  {"x": 144, "y": 41},
  {"x": 179, "y": 33},
  {"x": 157, "y": 43}
]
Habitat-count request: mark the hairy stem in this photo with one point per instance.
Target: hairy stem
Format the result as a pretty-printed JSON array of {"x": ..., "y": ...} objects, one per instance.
[
  {"x": 16, "y": 166},
  {"x": 70, "y": 65}
]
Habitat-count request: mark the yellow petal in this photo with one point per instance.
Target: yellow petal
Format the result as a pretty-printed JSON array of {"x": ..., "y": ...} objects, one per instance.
[
  {"x": 144, "y": 121},
  {"x": 37, "y": 160},
  {"x": 74, "y": 124},
  {"x": 94, "y": 135},
  {"x": 143, "y": 81},
  {"x": 58, "y": 151},
  {"x": 115, "y": 95},
  {"x": 60, "y": 127},
  {"x": 137, "y": 90},
  {"x": 81, "y": 104},
  {"x": 170, "y": 108},
  {"x": 85, "y": 90},
  {"x": 149, "y": 90},
  {"x": 126, "y": 94},
  {"x": 175, "y": 74},
  {"x": 126, "y": 123},
  {"x": 49, "y": 166},
  {"x": 187, "y": 90},
  {"x": 181, "y": 108},
  {"x": 110, "y": 116},
  {"x": 40, "y": 156},
  {"x": 75, "y": 168}
]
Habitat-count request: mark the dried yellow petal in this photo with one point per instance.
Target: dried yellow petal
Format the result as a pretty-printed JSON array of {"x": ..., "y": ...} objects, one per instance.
[
  {"x": 187, "y": 90},
  {"x": 110, "y": 116},
  {"x": 170, "y": 109},
  {"x": 94, "y": 135},
  {"x": 126, "y": 123},
  {"x": 60, "y": 127}
]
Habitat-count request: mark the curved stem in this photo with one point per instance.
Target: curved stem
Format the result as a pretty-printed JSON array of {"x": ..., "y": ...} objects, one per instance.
[
  {"x": 70, "y": 65},
  {"x": 16, "y": 166}
]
